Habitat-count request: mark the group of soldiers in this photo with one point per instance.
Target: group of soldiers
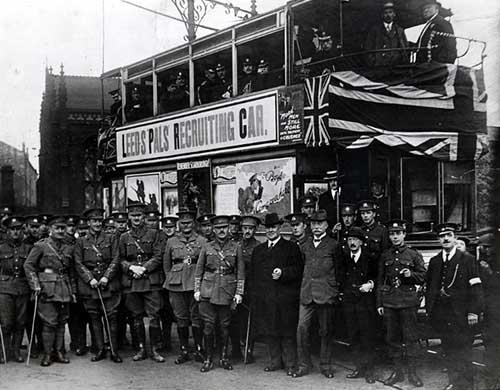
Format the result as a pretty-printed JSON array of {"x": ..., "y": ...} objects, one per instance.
[{"x": 233, "y": 289}]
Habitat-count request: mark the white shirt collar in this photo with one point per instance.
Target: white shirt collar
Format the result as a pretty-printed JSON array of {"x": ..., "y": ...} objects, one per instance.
[
  {"x": 388, "y": 26},
  {"x": 273, "y": 243},
  {"x": 356, "y": 255},
  {"x": 450, "y": 254}
]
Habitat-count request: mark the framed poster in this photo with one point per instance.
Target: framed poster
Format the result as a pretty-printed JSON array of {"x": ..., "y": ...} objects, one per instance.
[
  {"x": 117, "y": 195},
  {"x": 194, "y": 186},
  {"x": 225, "y": 192},
  {"x": 265, "y": 186},
  {"x": 169, "y": 193},
  {"x": 144, "y": 188}
]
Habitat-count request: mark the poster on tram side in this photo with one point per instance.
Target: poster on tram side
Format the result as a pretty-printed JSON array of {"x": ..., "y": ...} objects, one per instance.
[
  {"x": 265, "y": 186},
  {"x": 194, "y": 186},
  {"x": 144, "y": 188}
]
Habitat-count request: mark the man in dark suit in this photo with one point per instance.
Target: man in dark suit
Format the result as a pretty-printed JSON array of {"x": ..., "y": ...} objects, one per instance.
[
  {"x": 386, "y": 35},
  {"x": 453, "y": 302},
  {"x": 437, "y": 40},
  {"x": 318, "y": 295},
  {"x": 330, "y": 199},
  {"x": 275, "y": 277},
  {"x": 356, "y": 277}
]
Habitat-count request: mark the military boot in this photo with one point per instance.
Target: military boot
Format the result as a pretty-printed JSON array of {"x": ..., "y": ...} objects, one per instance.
[
  {"x": 184, "y": 341},
  {"x": 17, "y": 340},
  {"x": 224, "y": 358},
  {"x": 209, "y": 350},
  {"x": 98, "y": 331},
  {"x": 59, "y": 355},
  {"x": 154, "y": 337},
  {"x": 166, "y": 332},
  {"x": 396, "y": 376},
  {"x": 113, "y": 339},
  {"x": 140, "y": 333},
  {"x": 199, "y": 354},
  {"x": 48, "y": 337}
]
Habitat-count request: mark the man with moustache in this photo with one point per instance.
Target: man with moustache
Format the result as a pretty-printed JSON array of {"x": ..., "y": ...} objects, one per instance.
[
  {"x": 275, "y": 277},
  {"x": 318, "y": 295},
  {"x": 357, "y": 275},
  {"x": 181, "y": 255},
  {"x": 50, "y": 272},
  {"x": 218, "y": 286},
  {"x": 453, "y": 302},
  {"x": 400, "y": 270},
  {"x": 98, "y": 266}
]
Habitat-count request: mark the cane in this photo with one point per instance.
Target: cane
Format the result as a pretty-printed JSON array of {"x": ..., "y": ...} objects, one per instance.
[
  {"x": 247, "y": 338},
  {"x": 3, "y": 345},
  {"x": 108, "y": 328},
  {"x": 32, "y": 331}
]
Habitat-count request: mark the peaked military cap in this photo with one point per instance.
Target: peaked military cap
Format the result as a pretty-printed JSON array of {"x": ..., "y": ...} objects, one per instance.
[
  {"x": 71, "y": 220},
  {"x": 367, "y": 205},
  {"x": 32, "y": 220},
  {"x": 205, "y": 219},
  {"x": 6, "y": 210},
  {"x": 13, "y": 221},
  {"x": 220, "y": 220},
  {"x": 308, "y": 201},
  {"x": 45, "y": 218},
  {"x": 82, "y": 224},
  {"x": 119, "y": 216},
  {"x": 58, "y": 220},
  {"x": 250, "y": 220},
  {"x": 234, "y": 219},
  {"x": 263, "y": 63},
  {"x": 396, "y": 225},
  {"x": 220, "y": 66},
  {"x": 94, "y": 213},
  {"x": 169, "y": 221},
  {"x": 186, "y": 214},
  {"x": 136, "y": 207},
  {"x": 108, "y": 222},
  {"x": 247, "y": 61},
  {"x": 153, "y": 215},
  {"x": 446, "y": 228},
  {"x": 296, "y": 218},
  {"x": 347, "y": 209}
]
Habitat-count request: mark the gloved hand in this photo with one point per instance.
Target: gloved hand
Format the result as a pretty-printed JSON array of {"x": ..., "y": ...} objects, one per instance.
[
  {"x": 94, "y": 283},
  {"x": 197, "y": 296},
  {"x": 103, "y": 282}
]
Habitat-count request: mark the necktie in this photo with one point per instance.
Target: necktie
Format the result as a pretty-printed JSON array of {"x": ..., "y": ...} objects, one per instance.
[
  {"x": 447, "y": 258},
  {"x": 271, "y": 245}
]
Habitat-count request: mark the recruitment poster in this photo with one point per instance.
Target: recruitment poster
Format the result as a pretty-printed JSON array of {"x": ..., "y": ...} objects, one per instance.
[
  {"x": 194, "y": 186},
  {"x": 144, "y": 188}
]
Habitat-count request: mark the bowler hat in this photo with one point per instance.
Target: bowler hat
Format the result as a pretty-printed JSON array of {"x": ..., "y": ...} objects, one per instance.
[
  {"x": 357, "y": 232},
  {"x": 319, "y": 215},
  {"x": 272, "y": 219}
]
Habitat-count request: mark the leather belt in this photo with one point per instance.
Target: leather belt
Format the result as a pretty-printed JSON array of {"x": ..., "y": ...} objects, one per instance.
[
  {"x": 187, "y": 261},
  {"x": 60, "y": 271}
]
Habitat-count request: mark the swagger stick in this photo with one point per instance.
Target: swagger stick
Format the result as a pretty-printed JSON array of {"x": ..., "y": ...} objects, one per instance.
[
  {"x": 30, "y": 344},
  {"x": 108, "y": 328}
]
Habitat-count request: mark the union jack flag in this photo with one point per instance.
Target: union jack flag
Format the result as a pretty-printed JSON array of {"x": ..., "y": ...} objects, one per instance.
[{"x": 316, "y": 110}]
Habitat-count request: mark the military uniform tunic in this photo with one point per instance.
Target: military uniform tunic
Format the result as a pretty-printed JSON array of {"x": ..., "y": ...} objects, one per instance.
[{"x": 377, "y": 239}]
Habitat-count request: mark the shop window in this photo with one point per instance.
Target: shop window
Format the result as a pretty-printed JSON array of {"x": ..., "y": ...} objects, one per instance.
[
  {"x": 261, "y": 63},
  {"x": 457, "y": 193},
  {"x": 139, "y": 99},
  {"x": 213, "y": 77},
  {"x": 419, "y": 188},
  {"x": 173, "y": 89}
]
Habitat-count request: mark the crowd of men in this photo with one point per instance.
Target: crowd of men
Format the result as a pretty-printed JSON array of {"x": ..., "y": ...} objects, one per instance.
[{"x": 211, "y": 274}]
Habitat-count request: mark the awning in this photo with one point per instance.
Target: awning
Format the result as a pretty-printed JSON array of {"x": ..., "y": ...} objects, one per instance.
[{"x": 434, "y": 110}]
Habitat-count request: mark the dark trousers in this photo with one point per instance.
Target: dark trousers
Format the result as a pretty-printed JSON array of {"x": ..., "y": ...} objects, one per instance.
[
  {"x": 147, "y": 302},
  {"x": 491, "y": 337},
  {"x": 360, "y": 322},
  {"x": 77, "y": 324},
  {"x": 13, "y": 312},
  {"x": 185, "y": 308},
  {"x": 456, "y": 341},
  {"x": 401, "y": 335},
  {"x": 325, "y": 314},
  {"x": 213, "y": 314},
  {"x": 282, "y": 350},
  {"x": 53, "y": 314}
]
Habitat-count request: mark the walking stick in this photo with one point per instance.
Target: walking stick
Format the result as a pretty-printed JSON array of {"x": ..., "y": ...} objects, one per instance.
[
  {"x": 3, "y": 345},
  {"x": 30, "y": 344},
  {"x": 247, "y": 338},
  {"x": 108, "y": 328}
]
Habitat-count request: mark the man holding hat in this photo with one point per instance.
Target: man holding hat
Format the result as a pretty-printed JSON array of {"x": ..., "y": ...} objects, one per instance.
[
  {"x": 14, "y": 288},
  {"x": 275, "y": 277},
  {"x": 218, "y": 286},
  {"x": 377, "y": 237},
  {"x": 400, "y": 269},
  {"x": 206, "y": 229},
  {"x": 357, "y": 275},
  {"x": 330, "y": 199},
  {"x": 453, "y": 302},
  {"x": 50, "y": 272},
  {"x": 179, "y": 264},
  {"x": 98, "y": 266},
  {"x": 142, "y": 278},
  {"x": 318, "y": 295}
]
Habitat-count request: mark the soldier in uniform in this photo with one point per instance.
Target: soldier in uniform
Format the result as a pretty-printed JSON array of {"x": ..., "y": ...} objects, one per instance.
[
  {"x": 50, "y": 272},
  {"x": 377, "y": 238},
  {"x": 152, "y": 219},
  {"x": 347, "y": 219},
  {"x": 142, "y": 279},
  {"x": 318, "y": 295},
  {"x": 32, "y": 226},
  {"x": 205, "y": 226},
  {"x": 137, "y": 108},
  {"x": 308, "y": 205},
  {"x": 5, "y": 212},
  {"x": 246, "y": 83},
  {"x": 400, "y": 270},
  {"x": 14, "y": 288},
  {"x": 179, "y": 264},
  {"x": 120, "y": 218},
  {"x": 224, "y": 88},
  {"x": 357, "y": 275},
  {"x": 208, "y": 88},
  {"x": 219, "y": 285},
  {"x": 115, "y": 110},
  {"x": 98, "y": 267},
  {"x": 454, "y": 301},
  {"x": 82, "y": 228},
  {"x": 299, "y": 223},
  {"x": 109, "y": 226},
  {"x": 235, "y": 227},
  {"x": 44, "y": 225},
  {"x": 265, "y": 79},
  {"x": 176, "y": 97}
]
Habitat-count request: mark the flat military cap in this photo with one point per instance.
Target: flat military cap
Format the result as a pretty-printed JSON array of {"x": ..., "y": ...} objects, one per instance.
[
  {"x": 210, "y": 68},
  {"x": 234, "y": 219},
  {"x": 13, "y": 222},
  {"x": 250, "y": 220},
  {"x": 220, "y": 220},
  {"x": 263, "y": 63},
  {"x": 272, "y": 219},
  {"x": 308, "y": 201},
  {"x": 181, "y": 75},
  {"x": 220, "y": 66},
  {"x": 109, "y": 222},
  {"x": 152, "y": 215},
  {"x": 347, "y": 209},
  {"x": 71, "y": 220},
  {"x": 247, "y": 61},
  {"x": 114, "y": 92},
  {"x": 332, "y": 175},
  {"x": 58, "y": 221},
  {"x": 367, "y": 205},
  {"x": 5, "y": 210},
  {"x": 186, "y": 214},
  {"x": 119, "y": 216},
  {"x": 319, "y": 215},
  {"x": 169, "y": 221},
  {"x": 296, "y": 218},
  {"x": 357, "y": 232},
  {"x": 388, "y": 4},
  {"x": 33, "y": 220},
  {"x": 45, "y": 218},
  {"x": 94, "y": 213},
  {"x": 82, "y": 224},
  {"x": 396, "y": 225},
  {"x": 443, "y": 228},
  {"x": 136, "y": 207},
  {"x": 205, "y": 219}
]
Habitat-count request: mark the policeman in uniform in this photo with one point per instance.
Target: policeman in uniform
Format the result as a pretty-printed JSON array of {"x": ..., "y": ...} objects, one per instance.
[
  {"x": 341, "y": 229},
  {"x": 98, "y": 269},
  {"x": 14, "y": 288},
  {"x": 453, "y": 302},
  {"x": 50, "y": 272},
  {"x": 179, "y": 263},
  {"x": 32, "y": 225},
  {"x": 400, "y": 270},
  {"x": 142, "y": 279},
  {"x": 246, "y": 83},
  {"x": 219, "y": 285},
  {"x": 377, "y": 238},
  {"x": 299, "y": 224},
  {"x": 205, "y": 226},
  {"x": 318, "y": 294},
  {"x": 234, "y": 227}
]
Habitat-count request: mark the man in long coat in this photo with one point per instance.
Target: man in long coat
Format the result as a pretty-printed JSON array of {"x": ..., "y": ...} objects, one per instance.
[{"x": 275, "y": 277}]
